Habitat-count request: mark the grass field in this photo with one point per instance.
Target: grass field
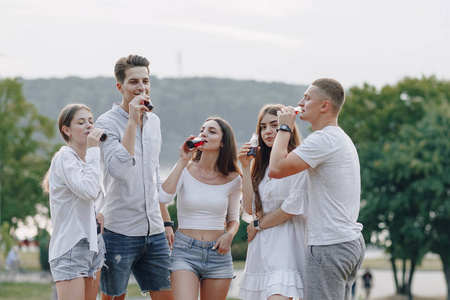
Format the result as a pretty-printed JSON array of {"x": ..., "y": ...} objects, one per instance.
[{"x": 39, "y": 291}]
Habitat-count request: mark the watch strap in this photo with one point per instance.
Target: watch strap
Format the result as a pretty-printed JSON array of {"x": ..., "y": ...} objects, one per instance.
[
  {"x": 284, "y": 127},
  {"x": 169, "y": 224}
]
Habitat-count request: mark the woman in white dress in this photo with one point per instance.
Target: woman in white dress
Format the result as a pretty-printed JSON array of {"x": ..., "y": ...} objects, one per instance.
[{"x": 275, "y": 263}]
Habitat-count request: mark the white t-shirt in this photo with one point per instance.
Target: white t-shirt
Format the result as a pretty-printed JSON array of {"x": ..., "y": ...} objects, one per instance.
[
  {"x": 334, "y": 186},
  {"x": 74, "y": 185},
  {"x": 204, "y": 206}
]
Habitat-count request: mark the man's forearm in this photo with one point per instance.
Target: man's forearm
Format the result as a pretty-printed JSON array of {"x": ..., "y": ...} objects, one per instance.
[
  {"x": 278, "y": 154},
  {"x": 129, "y": 137}
]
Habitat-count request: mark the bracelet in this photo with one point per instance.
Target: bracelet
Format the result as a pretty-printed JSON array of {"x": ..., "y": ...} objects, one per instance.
[{"x": 169, "y": 224}]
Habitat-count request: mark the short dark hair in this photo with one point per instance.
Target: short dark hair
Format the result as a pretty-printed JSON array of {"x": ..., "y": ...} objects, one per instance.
[
  {"x": 125, "y": 63},
  {"x": 332, "y": 89},
  {"x": 227, "y": 161}
]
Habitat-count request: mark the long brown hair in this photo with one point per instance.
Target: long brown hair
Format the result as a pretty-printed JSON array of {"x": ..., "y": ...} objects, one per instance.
[
  {"x": 262, "y": 157},
  {"x": 227, "y": 161},
  {"x": 65, "y": 118}
]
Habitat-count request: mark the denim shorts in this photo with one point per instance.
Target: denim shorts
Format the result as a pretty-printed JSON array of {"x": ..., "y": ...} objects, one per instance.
[
  {"x": 78, "y": 261},
  {"x": 199, "y": 257},
  {"x": 147, "y": 256}
]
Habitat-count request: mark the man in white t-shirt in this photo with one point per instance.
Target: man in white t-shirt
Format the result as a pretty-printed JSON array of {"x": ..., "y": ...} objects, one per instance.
[{"x": 335, "y": 244}]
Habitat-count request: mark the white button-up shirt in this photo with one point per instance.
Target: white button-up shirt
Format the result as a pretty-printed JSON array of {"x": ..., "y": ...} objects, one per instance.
[
  {"x": 73, "y": 187},
  {"x": 130, "y": 203}
]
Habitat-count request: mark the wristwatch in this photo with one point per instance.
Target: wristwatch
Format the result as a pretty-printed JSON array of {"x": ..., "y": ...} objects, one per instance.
[
  {"x": 169, "y": 224},
  {"x": 256, "y": 225},
  {"x": 284, "y": 127}
]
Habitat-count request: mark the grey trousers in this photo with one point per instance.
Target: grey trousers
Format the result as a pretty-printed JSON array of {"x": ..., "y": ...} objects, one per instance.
[{"x": 331, "y": 270}]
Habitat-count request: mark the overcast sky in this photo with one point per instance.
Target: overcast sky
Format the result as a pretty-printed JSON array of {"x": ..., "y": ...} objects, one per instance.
[{"x": 354, "y": 41}]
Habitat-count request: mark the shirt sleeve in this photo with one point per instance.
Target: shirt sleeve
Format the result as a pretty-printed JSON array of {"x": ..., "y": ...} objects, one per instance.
[
  {"x": 315, "y": 149},
  {"x": 166, "y": 198},
  {"x": 118, "y": 162},
  {"x": 297, "y": 200},
  {"x": 158, "y": 179},
  {"x": 234, "y": 202},
  {"x": 82, "y": 179}
]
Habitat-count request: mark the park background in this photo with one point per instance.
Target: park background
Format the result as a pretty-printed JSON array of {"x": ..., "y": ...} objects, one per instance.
[{"x": 229, "y": 59}]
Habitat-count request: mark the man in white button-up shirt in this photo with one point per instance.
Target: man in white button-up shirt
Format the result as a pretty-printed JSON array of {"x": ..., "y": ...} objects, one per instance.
[{"x": 134, "y": 233}]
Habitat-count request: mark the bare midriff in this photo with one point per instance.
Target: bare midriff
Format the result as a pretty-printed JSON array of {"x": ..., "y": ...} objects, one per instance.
[{"x": 202, "y": 235}]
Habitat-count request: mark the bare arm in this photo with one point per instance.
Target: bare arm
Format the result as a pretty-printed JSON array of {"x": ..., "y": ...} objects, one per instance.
[
  {"x": 272, "y": 219},
  {"x": 223, "y": 243},
  {"x": 281, "y": 163},
  {"x": 136, "y": 111},
  {"x": 170, "y": 184},
  {"x": 168, "y": 230},
  {"x": 247, "y": 186}
]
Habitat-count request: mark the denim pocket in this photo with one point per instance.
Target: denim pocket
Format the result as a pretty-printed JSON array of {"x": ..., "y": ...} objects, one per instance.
[{"x": 180, "y": 244}]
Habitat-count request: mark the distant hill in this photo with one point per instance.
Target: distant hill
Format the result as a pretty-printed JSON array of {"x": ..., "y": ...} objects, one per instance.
[{"x": 182, "y": 104}]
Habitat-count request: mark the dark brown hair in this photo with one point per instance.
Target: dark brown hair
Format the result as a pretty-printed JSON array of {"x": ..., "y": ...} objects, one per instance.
[
  {"x": 333, "y": 90},
  {"x": 262, "y": 157},
  {"x": 125, "y": 63},
  {"x": 227, "y": 161}
]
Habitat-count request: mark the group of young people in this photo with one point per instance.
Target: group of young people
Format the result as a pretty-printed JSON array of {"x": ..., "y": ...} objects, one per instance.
[{"x": 109, "y": 206}]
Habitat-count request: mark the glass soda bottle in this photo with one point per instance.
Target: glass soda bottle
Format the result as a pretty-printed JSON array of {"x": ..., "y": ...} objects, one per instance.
[
  {"x": 254, "y": 145},
  {"x": 195, "y": 143}
]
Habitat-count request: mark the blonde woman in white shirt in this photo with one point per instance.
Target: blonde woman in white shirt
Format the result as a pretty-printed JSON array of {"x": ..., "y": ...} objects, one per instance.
[
  {"x": 208, "y": 184},
  {"x": 275, "y": 263},
  {"x": 76, "y": 251}
]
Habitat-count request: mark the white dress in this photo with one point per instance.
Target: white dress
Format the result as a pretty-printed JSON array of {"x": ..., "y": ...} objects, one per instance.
[{"x": 275, "y": 261}]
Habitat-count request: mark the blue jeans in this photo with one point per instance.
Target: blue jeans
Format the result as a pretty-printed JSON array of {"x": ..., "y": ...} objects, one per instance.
[
  {"x": 199, "y": 257},
  {"x": 147, "y": 256}
]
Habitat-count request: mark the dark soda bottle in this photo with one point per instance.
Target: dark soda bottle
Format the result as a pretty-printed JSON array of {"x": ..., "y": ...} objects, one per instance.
[
  {"x": 148, "y": 104},
  {"x": 195, "y": 143},
  {"x": 254, "y": 145}
]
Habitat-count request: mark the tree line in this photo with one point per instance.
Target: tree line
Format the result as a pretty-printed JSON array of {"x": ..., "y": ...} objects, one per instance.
[{"x": 400, "y": 131}]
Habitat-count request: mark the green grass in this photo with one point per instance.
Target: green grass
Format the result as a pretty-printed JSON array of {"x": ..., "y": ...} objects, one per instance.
[
  {"x": 428, "y": 264},
  {"x": 25, "y": 291},
  {"x": 38, "y": 291}
]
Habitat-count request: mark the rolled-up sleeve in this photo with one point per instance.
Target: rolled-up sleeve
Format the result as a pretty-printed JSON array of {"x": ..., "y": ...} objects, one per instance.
[
  {"x": 82, "y": 180},
  {"x": 118, "y": 162}
]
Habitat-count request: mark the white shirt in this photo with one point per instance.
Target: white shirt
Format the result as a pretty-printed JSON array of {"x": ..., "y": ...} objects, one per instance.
[
  {"x": 204, "y": 206},
  {"x": 73, "y": 187},
  {"x": 130, "y": 204},
  {"x": 334, "y": 186}
]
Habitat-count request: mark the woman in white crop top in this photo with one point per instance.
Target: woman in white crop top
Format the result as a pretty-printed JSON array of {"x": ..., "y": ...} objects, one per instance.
[
  {"x": 207, "y": 183},
  {"x": 275, "y": 263},
  {"x": 76, "y": 251}
]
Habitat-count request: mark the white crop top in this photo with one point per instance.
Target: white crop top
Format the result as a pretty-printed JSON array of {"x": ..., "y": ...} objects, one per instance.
[{"x": 204, "y": 206}]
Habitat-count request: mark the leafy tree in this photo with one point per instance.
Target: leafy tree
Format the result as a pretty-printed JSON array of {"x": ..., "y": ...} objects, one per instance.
[
  {"x": 402, "y": 137},
  {"x": 23, "y": 153}
]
